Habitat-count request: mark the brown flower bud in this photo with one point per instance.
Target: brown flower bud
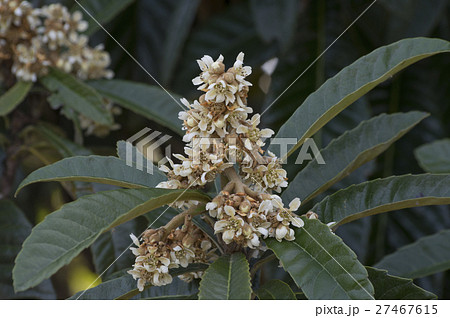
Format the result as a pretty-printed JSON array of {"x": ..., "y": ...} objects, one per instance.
[
  {"x": 228, "y": 77},
  {"x": 245, "y": 206}
]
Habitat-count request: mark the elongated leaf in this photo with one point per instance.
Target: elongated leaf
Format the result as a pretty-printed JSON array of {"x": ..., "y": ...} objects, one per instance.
[
  {"x": 275, "y": 290},
  {"x": 351, "y": 150},
  {"x": 428, "y": 255},
  {"x": 115, "y": 288},
  {"x": 14, "y": 228},
  {"x": 151, "y": 102},
  {"x": 65, "y": 233},
  {"x": 383, "y": 195},
  {"x": 102, "y": 10},
  {"x": 389, "y": 287},
  {"x": 177, "y": 31},
  {"x": 353, "y": 82},
  {"x": 77, "y": 96},
  {"x": 322, "y": 265},
  {"x": 434, "y": 157},
  {"x": 108, "y": 250},
  {"x": 100, "y": 169},
  {"x": 226, "y": 278},
  {"x": 13, "y": 97},
  {"x": 228, "y": 33},
  {"x": 275, "y": 20},
  {"x": 64, "y": 146}
]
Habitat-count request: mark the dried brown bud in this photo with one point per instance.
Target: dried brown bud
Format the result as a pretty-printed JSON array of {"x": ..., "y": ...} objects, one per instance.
[
  {"x": 312, "y": 215},
  {"x": 228, "y": 77}
]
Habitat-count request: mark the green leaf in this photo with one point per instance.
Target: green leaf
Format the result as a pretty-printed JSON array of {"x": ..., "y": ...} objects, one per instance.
[
  {"x": 13, "y": 97},
  {"x": 348, "y": 152},
  {"x": 353, "y": 82},
  {"x": 77, "y": 96},
  {"x": 65, "y": 233},
  {"x": 177, "y": 30},
  {"x": 102, "y": 10},
  {"x": 228, "y": 32},
  {"x": 321, "y": 264},
  {"x": 117, "y": 287},
  {"x": 149, "y": 101},
  {"x": 227, "y": 278},
  {"x": 64, "y": 146},
  {"x": 275, "y": 290},
  {"x": 100, "y": 169},
  {"x": 108, "y": 250},
  {"x": 434, "y": 157},
  {"x": 275, "y": 20},
  {"x": 383, "y": 195},
  {"x": 389, "y": 287},
  {"x": 14, "y": 228},
  {"x": 426, "y": 256}
]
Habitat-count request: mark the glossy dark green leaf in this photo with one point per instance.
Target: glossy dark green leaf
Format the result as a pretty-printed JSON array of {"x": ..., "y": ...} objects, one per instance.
[
  {"x": 100, "y": 169},
  {"x": 384, "y": 195},
  {"x": 63, "y": 234},
  {"x": 76, "y": 95},
  {"x": 101, "y": 10},
  {"x": 349, "y": 151},
  {"x": 434, "y": 157},
  {"x": 352, "y": 82},
  {"x": 227, "y": 278},
  {"x": 428, "y": 255},
  {"x": 275, "y": 290},
  {"x": 151, "y": 102},
  {"x": 14, "y": 228},
  {"x": 13, "y": 97},
  {"x": 388, "y": 287},
  {"x": 321, "y": 264}
]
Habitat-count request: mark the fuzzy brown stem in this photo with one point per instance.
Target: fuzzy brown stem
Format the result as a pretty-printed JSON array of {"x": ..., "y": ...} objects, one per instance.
[{"x": 179, "y": 219}]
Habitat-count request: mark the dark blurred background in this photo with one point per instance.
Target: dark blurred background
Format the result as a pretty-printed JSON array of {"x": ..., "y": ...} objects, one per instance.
[{"x": 166, "y": 37}]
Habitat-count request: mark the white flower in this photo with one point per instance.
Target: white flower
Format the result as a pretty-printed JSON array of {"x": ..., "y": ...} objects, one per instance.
[
  {"x": 253, "y": 134},
  {"x": 181, "y": 255},
  {"x": 231, "y": 228},
  {"x": 242, "y": 71},
  {"x": 221, "y": 91},
  {"x": 208, "y": 67}
]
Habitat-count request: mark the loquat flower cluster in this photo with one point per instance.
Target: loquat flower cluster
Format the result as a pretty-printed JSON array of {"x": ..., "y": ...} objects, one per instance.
[
  {"x": 157, "y": 253},
  {"x": 34, "y": 39},
  {"x": 221, "y": 139}
]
